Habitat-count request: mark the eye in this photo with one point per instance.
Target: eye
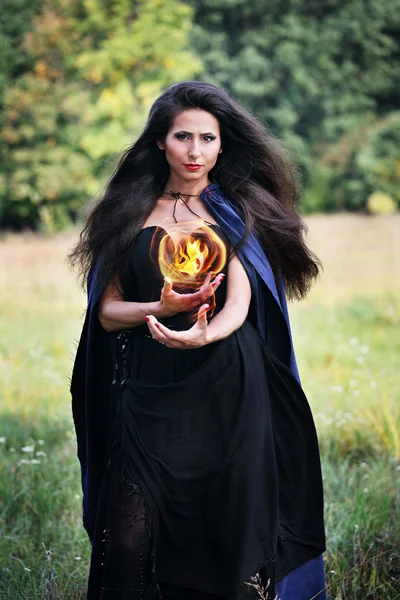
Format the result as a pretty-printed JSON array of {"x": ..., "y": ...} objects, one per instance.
[
  {"x": 180, "y": 136},
  {"x": 209, "y": 138}
]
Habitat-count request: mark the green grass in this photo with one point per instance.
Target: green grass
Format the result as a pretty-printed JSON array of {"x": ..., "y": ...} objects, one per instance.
[
  {"x": 347, "y": 354},
  {"x": 348, "y": 360}
]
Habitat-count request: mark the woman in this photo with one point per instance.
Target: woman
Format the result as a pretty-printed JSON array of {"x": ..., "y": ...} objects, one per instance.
[{"x": 200, "y": 463}]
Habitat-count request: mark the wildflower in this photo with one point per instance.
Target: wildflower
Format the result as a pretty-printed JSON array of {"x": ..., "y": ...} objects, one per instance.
[
  {"x": 373, "y": 384},
  {"x": 40, "y": 442},
  {"x": 78, "y": 558},
  {"x": 27, "y": 449},
  {"x": 353, "y": 341},
  {"x": 2, "y": 439},
  {"x": 35, "y": 462},
  {"x": 364, "y": 349},
  {"x": 24, "y": 462},
  {"x": 365, "y": 490},
  {"x": 364, "y": 465},
  {"x": 40, "y": 453}
]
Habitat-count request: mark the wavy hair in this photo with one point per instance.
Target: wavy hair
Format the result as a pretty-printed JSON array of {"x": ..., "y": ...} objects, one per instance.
[{"x": 254, "y": 171}]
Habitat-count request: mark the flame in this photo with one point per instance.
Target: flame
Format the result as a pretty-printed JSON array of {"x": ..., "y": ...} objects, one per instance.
[
  {"x": 186, "y": 254},
  {"x": 193, "y": 257}
]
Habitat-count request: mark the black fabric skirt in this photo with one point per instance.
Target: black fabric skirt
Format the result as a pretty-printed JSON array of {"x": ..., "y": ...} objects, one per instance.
[{"x": 213, "y": 485}]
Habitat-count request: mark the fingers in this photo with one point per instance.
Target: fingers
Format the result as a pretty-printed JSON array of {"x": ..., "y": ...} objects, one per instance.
[
  {"x": 164, "y": 330},
  {"x": 217, "y": 281},
  {"x": 192, "y": 338},
  {"x": 190, "y": 301},
  {"x": 154, "y": 327},
  {"x": 208, "y": 289},
  {"x": 167, "y": 284},
  {"x": 202, "y": 315},
  {"x": 208, "y": 278}
]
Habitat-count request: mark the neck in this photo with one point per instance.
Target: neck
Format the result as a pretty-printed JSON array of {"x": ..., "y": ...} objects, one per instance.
[{"x": 177, "y": 184}]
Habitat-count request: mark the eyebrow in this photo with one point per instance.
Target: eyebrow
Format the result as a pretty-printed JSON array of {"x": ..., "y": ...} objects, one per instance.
[{"x": 190, "y": 133}]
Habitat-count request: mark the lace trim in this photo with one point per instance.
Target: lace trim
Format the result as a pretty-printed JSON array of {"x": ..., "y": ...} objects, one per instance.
[{"x": 121, "y": 358}]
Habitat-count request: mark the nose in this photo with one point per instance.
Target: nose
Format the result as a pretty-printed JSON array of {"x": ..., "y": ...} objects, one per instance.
[{"x": 194, "y": 151}]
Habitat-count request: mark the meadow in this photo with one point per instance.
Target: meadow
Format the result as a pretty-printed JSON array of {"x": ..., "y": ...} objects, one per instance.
[{"x": 347, "y": 340}]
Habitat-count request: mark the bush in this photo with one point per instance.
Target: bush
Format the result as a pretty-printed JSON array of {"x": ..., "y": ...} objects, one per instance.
[
  {"x": 364, "y": 162},
  {"x": 318, "y": 195}
]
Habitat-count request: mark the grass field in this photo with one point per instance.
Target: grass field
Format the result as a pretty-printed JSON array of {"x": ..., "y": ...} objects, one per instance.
[{"x": 347, "y": 339}]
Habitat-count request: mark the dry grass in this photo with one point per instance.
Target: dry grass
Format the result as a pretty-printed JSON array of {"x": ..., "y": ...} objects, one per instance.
[
  {"x": 32, "y": 266},
  {"x": 360, "y": 254}
]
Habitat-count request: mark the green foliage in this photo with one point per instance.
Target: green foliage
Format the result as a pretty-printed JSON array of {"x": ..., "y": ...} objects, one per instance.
[
  {"x": 96, "y": 69},
  {"x": 310, "y": 69},
  {"x": 364, "y": 161},
  {"x": 15, "y": 21},
  {"x": 314, "y": 71},
  {"x": 379, "y": 161},
  {"x": 318, "y": 194},
  {"x": 77, "y": 78}
]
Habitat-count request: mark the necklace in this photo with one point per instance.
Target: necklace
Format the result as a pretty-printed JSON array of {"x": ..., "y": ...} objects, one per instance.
[{"x": 178, "y": 196}]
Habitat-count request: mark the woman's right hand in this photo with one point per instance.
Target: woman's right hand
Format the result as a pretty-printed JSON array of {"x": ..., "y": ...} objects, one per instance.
[{"x": 172, "y": 302}]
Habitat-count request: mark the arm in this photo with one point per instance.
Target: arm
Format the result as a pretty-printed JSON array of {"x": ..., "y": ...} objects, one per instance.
[
  {"x": 116, "y": 313},
  {"x": 230, "y": 318},
  {"x": 236, "y": 306}
]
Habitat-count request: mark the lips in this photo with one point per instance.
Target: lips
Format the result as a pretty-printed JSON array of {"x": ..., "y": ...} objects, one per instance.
[{"x": 192, "y": 166}]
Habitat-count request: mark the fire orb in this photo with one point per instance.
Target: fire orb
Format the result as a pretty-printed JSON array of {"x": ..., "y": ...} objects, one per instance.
[{"x": 186, "y": 253}]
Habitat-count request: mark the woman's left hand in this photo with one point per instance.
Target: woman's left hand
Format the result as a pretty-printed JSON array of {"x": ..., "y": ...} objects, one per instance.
[{"x": 195, "y": 337}]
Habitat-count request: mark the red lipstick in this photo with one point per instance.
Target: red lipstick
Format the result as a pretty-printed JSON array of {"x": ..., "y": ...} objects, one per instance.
[{"x": 192, "y": 166}]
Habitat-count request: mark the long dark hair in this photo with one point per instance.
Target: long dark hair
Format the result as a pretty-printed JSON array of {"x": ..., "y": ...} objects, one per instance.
[{"x": 253, "y": 170}]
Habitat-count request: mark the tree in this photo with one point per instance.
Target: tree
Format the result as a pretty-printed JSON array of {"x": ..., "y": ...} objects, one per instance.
[
  {"x": 312, "y": 70},
  {"x": 97, "y": 67}
]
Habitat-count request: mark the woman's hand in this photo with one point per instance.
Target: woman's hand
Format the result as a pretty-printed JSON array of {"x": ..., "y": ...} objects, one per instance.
[
  {"x": 195, "y": 337},
  {"x": 172, "y": 303},
  {"x": 228, "y": 320},
  {"x": 116, "y": 313}
]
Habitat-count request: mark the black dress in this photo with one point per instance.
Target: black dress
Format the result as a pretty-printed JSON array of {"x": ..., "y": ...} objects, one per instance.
[{"x": 213, "y": 478}]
